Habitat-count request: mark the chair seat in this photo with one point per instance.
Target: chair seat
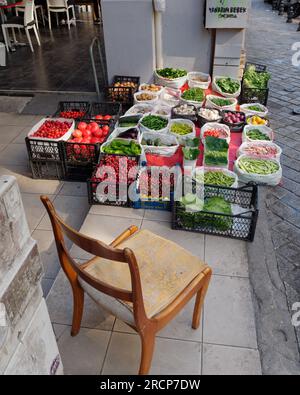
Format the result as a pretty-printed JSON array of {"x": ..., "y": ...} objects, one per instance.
[
  {"x": 166, "y": 269},
  {"x": 15, "y": 20}
]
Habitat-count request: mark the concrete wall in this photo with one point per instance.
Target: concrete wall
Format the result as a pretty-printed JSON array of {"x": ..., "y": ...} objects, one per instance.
[
  {"x": 129, "y": 36},
  {"x": 186, "y": 42}
]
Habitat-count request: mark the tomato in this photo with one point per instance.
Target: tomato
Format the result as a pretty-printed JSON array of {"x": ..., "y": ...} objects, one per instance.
[
  {"x": 77, "y": 140},
  {"x": 77, "y": 133},
  {"x": 82, "y": 126},
  {"x": 98, "y": 133},
  {"x": 86, "y": 140},
  {"x": 99, "y": 116},
  {"x": 107, "y": 117},
  {"x": 95, "y": 140},
  {"x": 94, "y": 128},
  {"x": 105, "y": 129},
  {"x": 86, "y": 133}
]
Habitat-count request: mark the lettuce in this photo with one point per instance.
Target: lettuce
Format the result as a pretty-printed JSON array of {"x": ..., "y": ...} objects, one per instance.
[{"x": 256, "y": 80}]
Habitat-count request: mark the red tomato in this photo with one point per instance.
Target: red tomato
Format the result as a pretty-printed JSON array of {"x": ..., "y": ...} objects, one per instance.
[
  {"x": 77, "y": 140},
  {"x": 105, "y": 129},
  {"x": 99, "y": 116},
  {"x": 107, "y": 117},
  {"x": 77, "y": 133},
  {"x": 95, "y": 140},
  {"x": 86, "y": 133},
  {"x": 82, "y": 126},
  {"x": 98, "y": 133},
  {"x": 86, "y": 140},
  {"x": 94, "y": 128}
]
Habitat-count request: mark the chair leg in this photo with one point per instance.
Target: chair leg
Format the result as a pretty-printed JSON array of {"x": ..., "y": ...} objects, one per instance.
[
  {"x": 73, "y": 13},
  {"x": 49, "y": 21},
  {"x": 68, "y": 18},
  {"x": 57, "y": 21},
  {"x": 199, "y": 302},
  {"x": 36, "y": 18},
  {"x": 78, "y": 303},
  {"x": 148, "y": 342},
  {"x": 36, "y": 35},
  {"x": 29, "y": 39},
  {"x": 6, "y": 40},
  {"x": 43, "y": 16},
  {"x": 14, "y": 35}
]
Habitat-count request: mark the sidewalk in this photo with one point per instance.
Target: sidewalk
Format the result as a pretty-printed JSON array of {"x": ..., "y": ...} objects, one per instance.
[{"x": 274, "y": 257}]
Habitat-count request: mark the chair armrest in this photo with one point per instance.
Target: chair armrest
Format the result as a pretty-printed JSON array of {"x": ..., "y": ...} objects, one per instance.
[{"x": 123, "y": 236}]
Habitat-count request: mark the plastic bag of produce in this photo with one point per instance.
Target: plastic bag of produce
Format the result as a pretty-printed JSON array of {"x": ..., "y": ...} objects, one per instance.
[
  {"x": 161, "y": 109},
  {"x": 146, "y": 97},
  {"x": 140, "y": 109},
  {"x": 220, "y": 103},
  {"x": 227, "y": 86},
  {"x": 261, "y": 149},
  {"x": 163, "y": 144},
  {"x": 254, "y": 109},
  {"x": 171, "y": 81},
  {"x": 182, "y": 129},
  {"x": 261, "y": 171},
  {"x": 196, "y": 79},
  {"x": 257, "y": 133},
  {"x": 170, "y": 97},
  {"x": 215, "y": 176},
  {"x": 217, "y": 130},
  {"x": 154, "y": 123}
]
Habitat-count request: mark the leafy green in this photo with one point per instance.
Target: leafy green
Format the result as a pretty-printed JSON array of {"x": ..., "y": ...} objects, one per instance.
[
  {"x": 154, "y": 122},
  {"x": 256, "y": 80},
  {"x": 194, "y": 94},
  {"x": 190, "y": 153},
  {"x": 181, "y": 128},
  {"x": 192, "y": 142},
  {"x": 221, "y": 102},
  {"x": 228, "y": 85},
  {"x": 171, "y": 73},
  {"x": 215, "y": 158},
  {"x": 216, "y": 144}
]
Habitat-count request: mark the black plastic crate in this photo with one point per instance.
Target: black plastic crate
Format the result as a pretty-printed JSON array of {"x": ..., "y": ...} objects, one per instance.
[
  {"x": 119, "y": 94},
  {"x": 252, "y": 95},
  {"x": 106, "y": 108},
  {"x": 126, "y": 78},
  {"x": 48, "y": 150},
  {"x": 76, "y": 173},
  {"x": 46, "y": 170},
  {"x": 258, "y": 67},
  {"x": 73, "y": 106},
  {"x": 236, "y": 226},
  {"x": 116, "y": 195}
]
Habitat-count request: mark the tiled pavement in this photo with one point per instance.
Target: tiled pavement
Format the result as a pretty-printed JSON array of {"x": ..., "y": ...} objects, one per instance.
[
  {"x": 225, "y": 343},
  {"x": 269, "y": 41}
]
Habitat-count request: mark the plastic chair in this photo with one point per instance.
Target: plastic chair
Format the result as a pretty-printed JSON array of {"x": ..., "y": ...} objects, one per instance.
[
  {"x": 57, "y": 6},
  {"x": 27, "y": 22},
  {"x": 21, "y": 7},
  {"x": 141, "y": 278}
]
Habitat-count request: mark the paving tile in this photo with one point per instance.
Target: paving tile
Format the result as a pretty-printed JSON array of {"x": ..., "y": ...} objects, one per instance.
[
  {"x": 72, "y": 209},
  {"x": 83, "y": 354},
  {"x": 117, "y": 211},
  {"x": 34, "y": 209},
  {"x": 158, "y": 215},
  {"x": 170, "y": 356},
  {"x": 224, "y": 360},
  {"x": 59, "y": 329},
  {"x": 228, "y": 313},
  {"x": 13, "y": 119},
  {"x": 226, "y": 256},
  {"x": 48, "y": 252},
  {"x": 14, "y": 154},
  {"x": 9, "y": 133},
  {"x": 29, "y": 185},
  {"x": 73, "y": 189},
  {"x": 60, "y": 306},
  {"x": 103, "y": 228},
  {"x": 2, "y": 146},
  {"x": 193, "y": 242},
  {"x": 46, "y": 286},
  {"x": 179, "y": 328}
]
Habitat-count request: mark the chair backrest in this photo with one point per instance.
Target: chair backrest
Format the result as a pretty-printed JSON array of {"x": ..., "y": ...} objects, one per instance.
[
  {"x": 57, "y": 3},
  {"x": 100, "y": 249},
  {"x": 28, "y": 12}
]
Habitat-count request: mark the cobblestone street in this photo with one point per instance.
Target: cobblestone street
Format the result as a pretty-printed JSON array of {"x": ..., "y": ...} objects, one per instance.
[{"x": 275, "y": 255}]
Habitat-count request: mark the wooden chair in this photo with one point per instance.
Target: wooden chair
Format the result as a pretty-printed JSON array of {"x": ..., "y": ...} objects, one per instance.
[{"x": 151, "y": 295}]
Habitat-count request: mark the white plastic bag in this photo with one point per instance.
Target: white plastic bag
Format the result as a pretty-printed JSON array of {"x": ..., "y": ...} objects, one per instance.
[
  {"x": 210, "y": 104},
  {"x": 263, "y": 129},
  {"x": 268, "y": 179},
  {"x": 150, "y": 101},
  {"x": 182, "y": 138},
  {"x": 145, "y": 129},
  {"x": 198, "y": 84},
  {"x": 176, "y": 83},
  {"x": 245, "y": 108},
  {"x": 215, "y": 125},
  {"x": 140, "y": 109},
  {"x": 203, "y": 169},
  {"x": 161, "y": 150},
  {"x": 245, "y": 149},
  {"x": 216, "y": 88}
]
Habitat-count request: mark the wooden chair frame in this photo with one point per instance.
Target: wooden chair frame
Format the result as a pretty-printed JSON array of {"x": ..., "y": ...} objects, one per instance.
[{"x": 144, "y": 326}]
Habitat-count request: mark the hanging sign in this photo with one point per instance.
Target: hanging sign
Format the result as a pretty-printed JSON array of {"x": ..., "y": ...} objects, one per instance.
[{"x": 227, "y": 14}]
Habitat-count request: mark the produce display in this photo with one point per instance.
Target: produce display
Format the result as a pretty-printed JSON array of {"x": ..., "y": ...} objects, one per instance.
[
  {"x": 154, "y": 122},
  {"x": 193, "y": 94},
  {"x": 101, "y": 117},
  {"x": 171, "y": 73},
  {"x": 126, "y": 84},
  {"x": 161, "y": 110},
  {"x": 145, "y": 96},
  {"x": 215, "y": 177},
  {"x": 89, "y": 133},
  {"x": 156, "y": 142},
  {"x": 261, "y": 149},
  {"x": 258, "y": 166},
  {"x": 198, "y": 78},
  {"x": 257, "y": 121},
  {"x": 256, "y": 134},
  {"x": 140, "y": 109},
  {"x": 255, "y": 80},
  {"x": 209, "y": 114},
  {"x": 122, "y": 147},
  {"x": 234, "y": 117},
  {"x": 128, "y": 121},
  {"x": 228, "y": 85},
  {"x": 51, "y": 129},
  {"x": 218, "y": 133},
  {"x": 170, "y": 96},
  {"x": 72, "y": 114},
  {"x": 122, "y": 169},
  {"x": 181, "y": 128},
  {"x": 131, "y": 134},
  {"x": 191, "y": 149},
  {"x": 255, "y": 107},
  {"x": 185, "y": 109},
  {"x": 152, "y": 184},
  {"x": 150, "y": 87},
  {"x": 215, "y": 151},
  {"x": 221, "y": 102}
]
